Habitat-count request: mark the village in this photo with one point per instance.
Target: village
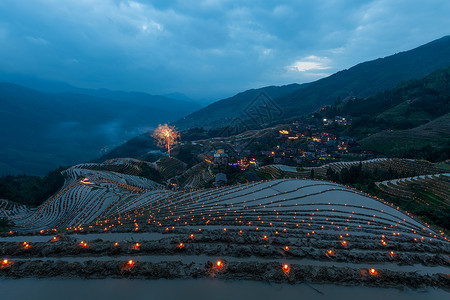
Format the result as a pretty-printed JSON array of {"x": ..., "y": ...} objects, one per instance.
[{"x": 300, "y": 144}]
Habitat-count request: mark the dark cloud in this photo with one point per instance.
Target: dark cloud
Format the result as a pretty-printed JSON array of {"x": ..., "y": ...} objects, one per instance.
[{"x": 207, "y": 49}]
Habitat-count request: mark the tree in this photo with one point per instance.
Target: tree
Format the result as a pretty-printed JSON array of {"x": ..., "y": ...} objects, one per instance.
[{"x": 166, "y": 136}]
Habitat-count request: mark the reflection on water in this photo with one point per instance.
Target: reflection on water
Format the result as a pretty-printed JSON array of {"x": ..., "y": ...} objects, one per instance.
[{"x": 69, "y": 289}]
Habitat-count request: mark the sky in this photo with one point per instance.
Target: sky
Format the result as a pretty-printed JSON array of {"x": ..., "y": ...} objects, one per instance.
[{"x": 207, "y": 49}]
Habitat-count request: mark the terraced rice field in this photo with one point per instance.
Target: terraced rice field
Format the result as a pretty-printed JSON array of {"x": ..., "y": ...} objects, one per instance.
[
  {"x": 400, "y": 165},
  {"x": 426, "y": 188},
  {"x": 106, "y": 224},
  {"x": 196, "y": 177}
]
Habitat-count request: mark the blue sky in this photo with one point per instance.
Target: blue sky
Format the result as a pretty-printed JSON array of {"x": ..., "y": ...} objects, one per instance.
[{"x": 207, "y": 49}]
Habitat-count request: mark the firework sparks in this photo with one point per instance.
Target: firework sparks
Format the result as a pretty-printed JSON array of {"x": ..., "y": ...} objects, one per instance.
[{"x": 166, "y": 136}]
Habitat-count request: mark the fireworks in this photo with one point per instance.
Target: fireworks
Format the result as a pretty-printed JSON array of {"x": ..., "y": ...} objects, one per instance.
[{"x": 166, "y": 136}]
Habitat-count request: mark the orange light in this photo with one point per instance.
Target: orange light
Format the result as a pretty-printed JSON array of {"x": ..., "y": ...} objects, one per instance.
[
  {"x": 265, "y": 237},
  {"x": 5, "y": 262},
  {"x": 137, "y": 245},
  {"x": 330, "y": 252},
  {"x": 219, "y": 264},
  {"x": 180, "y": 245},
  {"x": 130, "y": 262},
  {"x": 392, "y": 253},
  {"x": 116, "y": 244},
  {"x": 373, "y": 271},
  {"x": 286, "y": 268},
  {"x": 54, "y": 238},
  {"x": 286, "y": 248},
  {"x": 192, "y": 235},
  {"x": 344, "y": 243}
]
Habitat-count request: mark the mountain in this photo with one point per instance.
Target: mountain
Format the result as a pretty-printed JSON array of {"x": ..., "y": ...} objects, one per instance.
[
  {"x": 413, "y": 115},
  {"x": 432, "y": 139},
  {"x": 41, "y": 131},
  {"x": 58, "y": 87},
  {"x": 222, "y": 112},
  {"x": 362, "y": 80}
]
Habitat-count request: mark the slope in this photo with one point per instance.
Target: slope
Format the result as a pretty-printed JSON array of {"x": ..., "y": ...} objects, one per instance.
[
  {"x": 361, "y": 80},
  {"x": 222, "y": 112},
  {"x": 434, "y": 134}
]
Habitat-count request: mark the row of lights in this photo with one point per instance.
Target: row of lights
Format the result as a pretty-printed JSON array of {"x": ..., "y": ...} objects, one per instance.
[{"x": 219, "y": 265}]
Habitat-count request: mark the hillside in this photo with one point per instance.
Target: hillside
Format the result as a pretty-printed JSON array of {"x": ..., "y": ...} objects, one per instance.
[
  {"x": 285, "y": 230},
  {"x": 413, "y": 115},
  {"x": 222, "y": 112},
  {"x": 41, "y": 131},
  {"x": 362, "y": 80},
  {"x": 434, "y": 135}
]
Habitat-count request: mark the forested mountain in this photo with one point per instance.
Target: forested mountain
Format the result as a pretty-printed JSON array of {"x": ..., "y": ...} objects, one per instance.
[
  {"x": 362, "y": 80},
  {"x": 222, "y": 112},
  {"x": 403, "y": 120}
]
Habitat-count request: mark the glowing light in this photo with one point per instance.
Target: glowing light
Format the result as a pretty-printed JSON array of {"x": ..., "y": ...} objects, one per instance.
[
  {"x": 130, "y": 263},
  {"x": 373, "y": 271},
  {"x": 116, "y": 244},
  {"x": 165, "y": 136},
  {"x": 219, "y": 264},
  {"x": 86, "y": 181},
  {"x": 5, "y": 262},
  {"x": 286, "y": 268},
  {"x": 286, "y": 248},
  {"x": 180, "y": 245}
]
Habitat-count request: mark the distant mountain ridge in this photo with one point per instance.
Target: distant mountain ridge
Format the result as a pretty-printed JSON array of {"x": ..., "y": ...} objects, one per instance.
[
  {"x": 41, "y": 131},
  {"x": 361, "y": 80},
  {"x": 220, "y": 113},
  {"x": 410, "y": 120}
]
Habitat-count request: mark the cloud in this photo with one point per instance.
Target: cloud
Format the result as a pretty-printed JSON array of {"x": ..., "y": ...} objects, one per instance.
[
  {"x": 311, "y": 63},
  {"x": 206, "y": 49}
]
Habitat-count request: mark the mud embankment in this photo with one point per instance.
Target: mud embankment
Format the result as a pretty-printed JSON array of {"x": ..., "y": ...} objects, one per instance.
[{"x": 273, "y": 272}]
